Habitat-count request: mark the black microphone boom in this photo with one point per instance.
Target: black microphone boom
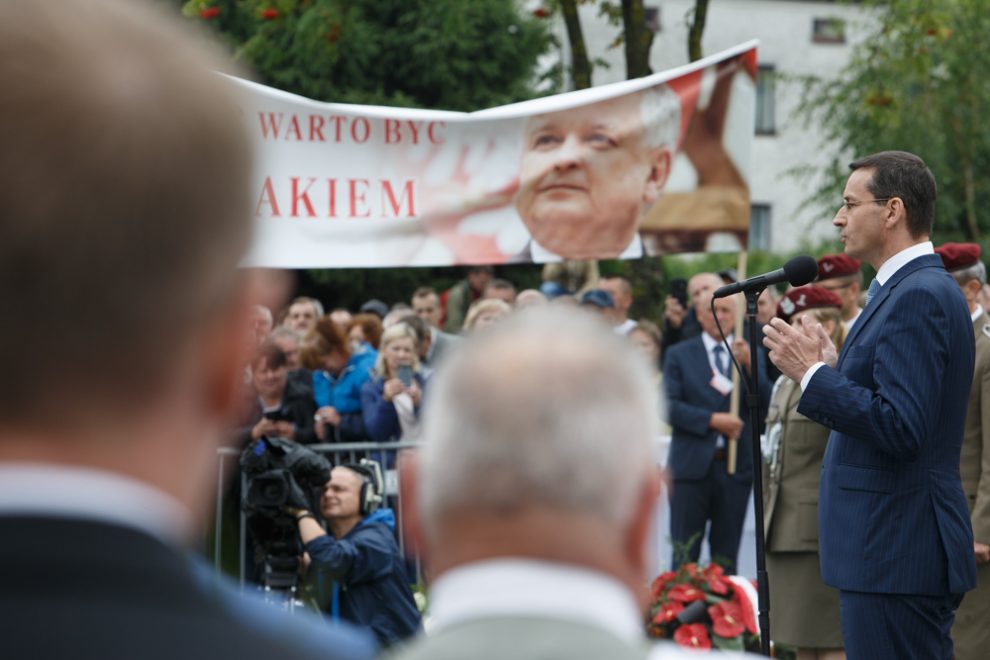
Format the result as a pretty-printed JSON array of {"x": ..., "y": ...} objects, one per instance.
[{"x": 798, "y": 271}]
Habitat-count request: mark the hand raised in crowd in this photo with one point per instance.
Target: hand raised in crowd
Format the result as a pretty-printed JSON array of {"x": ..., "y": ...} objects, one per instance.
[
  {"x": 673, "y": 311},
  {"x": 264, "y": 426},
  {"x": 793, "y": 351},
  {"x": 982, "y": 552},
  {"x": 392, "y": 388},
  {"x": 325, "y": 416},
  {"x": 727, "y": 424},
  {"x": 740, "y": 350},
  {"x": 416, "y": 393}
]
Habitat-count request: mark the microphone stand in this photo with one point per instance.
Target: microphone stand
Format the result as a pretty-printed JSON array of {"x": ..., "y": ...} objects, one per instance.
[{"x": 753, "y": 404}]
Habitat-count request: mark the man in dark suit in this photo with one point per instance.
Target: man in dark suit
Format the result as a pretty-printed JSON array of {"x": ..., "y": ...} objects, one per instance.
[
  {"x": 894, "y": 527},
  {"x": 125, "y": 211},
  {"x": 698, "y": 382}
]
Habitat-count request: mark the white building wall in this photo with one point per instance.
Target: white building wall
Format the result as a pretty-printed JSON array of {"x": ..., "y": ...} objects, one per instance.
[{"x": 784, "y": 28}]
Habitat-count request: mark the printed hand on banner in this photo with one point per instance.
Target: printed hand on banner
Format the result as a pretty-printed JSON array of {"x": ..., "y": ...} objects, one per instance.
[
  {"x": 703, "y": 140},
  {"x": 446, "y": 205}
]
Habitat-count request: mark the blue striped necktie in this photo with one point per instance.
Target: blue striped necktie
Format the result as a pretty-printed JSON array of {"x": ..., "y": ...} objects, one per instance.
[
  {"x": 872, "y": 291},
  {"x": 721, "y": 363}
]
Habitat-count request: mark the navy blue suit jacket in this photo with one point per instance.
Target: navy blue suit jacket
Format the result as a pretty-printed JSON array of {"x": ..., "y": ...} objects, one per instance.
[
  {"x": 691, "y": 400},
  {"x": 892, "y": 515}
]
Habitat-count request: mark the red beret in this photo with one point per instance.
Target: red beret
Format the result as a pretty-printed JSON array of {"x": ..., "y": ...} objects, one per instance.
[
  {"x": 957, "y": 256},
  {"x": 836, "y": 265},
  {"x": 806, "y": 297}
]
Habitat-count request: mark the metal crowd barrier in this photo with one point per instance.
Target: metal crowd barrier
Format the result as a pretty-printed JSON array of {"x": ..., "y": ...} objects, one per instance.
[{"x": 227, "y": 466}]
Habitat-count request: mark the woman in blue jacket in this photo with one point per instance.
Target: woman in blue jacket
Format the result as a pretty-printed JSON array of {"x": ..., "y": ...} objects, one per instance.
[
  {"x": 338, "y": 376},
  {"x": 391, "y": 399}
]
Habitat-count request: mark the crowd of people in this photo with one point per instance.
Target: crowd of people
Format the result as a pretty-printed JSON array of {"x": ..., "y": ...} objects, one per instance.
[{"x": 362, "y": 375}]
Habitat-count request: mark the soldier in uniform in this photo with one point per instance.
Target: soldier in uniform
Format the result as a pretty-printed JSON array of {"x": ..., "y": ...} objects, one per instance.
[
  {"x": 841, "y": 274},
  {"x": 971, "y": 634},
  {"x": 805, "y": 610}
]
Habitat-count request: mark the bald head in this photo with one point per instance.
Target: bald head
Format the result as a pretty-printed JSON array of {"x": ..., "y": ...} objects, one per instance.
[
  {"x": 517, "y": 418},
  {"x": 700, "y": 289}
]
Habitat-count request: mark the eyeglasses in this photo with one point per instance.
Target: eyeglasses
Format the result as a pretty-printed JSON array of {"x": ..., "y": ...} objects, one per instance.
[{"x": 848, "y": 206}]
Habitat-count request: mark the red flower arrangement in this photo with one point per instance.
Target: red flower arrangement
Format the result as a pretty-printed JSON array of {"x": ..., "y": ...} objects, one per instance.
[
  {"x": 702, "y": 608},
  {"x": 209, "y": 12},
  {"x": 269, "y": 14}
]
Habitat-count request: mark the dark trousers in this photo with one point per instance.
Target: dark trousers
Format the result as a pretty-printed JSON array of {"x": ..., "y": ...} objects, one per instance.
[
  {"x": 719, "y": 498},
  {"x": 897, "y": 626}
]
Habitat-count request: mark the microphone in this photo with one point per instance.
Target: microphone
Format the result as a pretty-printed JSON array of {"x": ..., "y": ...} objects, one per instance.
[{"x": 798, "y": 271}]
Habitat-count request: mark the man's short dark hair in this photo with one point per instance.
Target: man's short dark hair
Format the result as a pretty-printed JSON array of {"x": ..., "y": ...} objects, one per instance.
[
  {"x": 424, "y": 291},
  {"x": 481, "y": 269},
  {"x": 273, "y": 356},
  {"x": 499, "y": 283},
  {"x": 903, "y": 175}
]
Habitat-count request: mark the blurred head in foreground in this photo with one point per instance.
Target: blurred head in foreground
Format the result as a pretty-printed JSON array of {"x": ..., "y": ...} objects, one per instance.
[
  {"x": 123, "y": 215},
  {"x": 539, "y": 445}
]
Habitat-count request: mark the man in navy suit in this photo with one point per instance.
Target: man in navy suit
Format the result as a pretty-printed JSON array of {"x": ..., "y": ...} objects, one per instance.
[
  {"x": 698, "y": 382},
  {"x": 894, "y": 527}
]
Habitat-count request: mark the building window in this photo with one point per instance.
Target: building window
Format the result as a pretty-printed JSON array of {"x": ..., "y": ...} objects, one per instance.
[
  {"x": 652, "y": 18},
  {"x": 759, "y": 227},
  {"x": 828, "y": 31},
  {"x": 766, "y": 120}
]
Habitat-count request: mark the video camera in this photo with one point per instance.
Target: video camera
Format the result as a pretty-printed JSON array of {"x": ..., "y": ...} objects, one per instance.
[{"x": 280, "y": 474}]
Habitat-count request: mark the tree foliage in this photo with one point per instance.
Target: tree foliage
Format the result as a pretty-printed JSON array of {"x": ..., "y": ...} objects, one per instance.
[
  {"x": 440, "y": 54},
  {"x": 916, "y": 84}
]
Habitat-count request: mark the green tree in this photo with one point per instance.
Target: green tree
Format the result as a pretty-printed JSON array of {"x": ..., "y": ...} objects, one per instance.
[
  {"x": 440, "y": 54},
  {"x": 918, "y": 84}
]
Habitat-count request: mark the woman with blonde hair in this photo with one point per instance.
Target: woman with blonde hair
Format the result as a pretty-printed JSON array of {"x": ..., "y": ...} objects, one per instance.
[
  {"x": 806, "y": 610},
  {"x": 391, "y": 399}
]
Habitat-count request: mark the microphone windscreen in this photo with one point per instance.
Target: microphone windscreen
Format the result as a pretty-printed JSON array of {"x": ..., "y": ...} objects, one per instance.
[{"x": 801, "y": 270}]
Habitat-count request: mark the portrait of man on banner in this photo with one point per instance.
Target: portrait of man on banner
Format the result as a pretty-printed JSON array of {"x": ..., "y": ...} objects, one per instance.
[{"x": 588, "y": 173}]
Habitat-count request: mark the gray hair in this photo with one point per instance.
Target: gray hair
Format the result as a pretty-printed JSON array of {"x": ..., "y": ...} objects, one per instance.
[
  {"x": 549, "y": 408},
  {"x": 660, "y": 109},
  {"x": 975, "y": 272},
  {"x": 282, "y": 331}
]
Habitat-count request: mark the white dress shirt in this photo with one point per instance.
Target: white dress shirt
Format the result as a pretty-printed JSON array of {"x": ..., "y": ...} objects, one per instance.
[
  {"x": 528, "y": 587},
  {"x": 512, "y": 587},
  {"x": 46, "y": 490},
  {"x": 887, "y": 270}
]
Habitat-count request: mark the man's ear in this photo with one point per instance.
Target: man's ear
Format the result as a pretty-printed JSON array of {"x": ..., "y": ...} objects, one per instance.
[
  {"x": 641, "y": 525},
  {"x": 971, "y": 290},
  {"x": 895, "y": 213},
  {"x": 412, "y": 530},
  {"x": 660, "y": 161},
  {"x": 228, "y": 342},
  {"x": 224, "y": 351}
]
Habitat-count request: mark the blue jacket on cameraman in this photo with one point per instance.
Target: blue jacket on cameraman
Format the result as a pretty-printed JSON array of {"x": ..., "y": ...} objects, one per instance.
[{"x": 363, "y": 576}]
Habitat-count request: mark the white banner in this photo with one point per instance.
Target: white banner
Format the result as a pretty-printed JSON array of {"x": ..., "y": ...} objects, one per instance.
[{"x": 656, "y": 165}]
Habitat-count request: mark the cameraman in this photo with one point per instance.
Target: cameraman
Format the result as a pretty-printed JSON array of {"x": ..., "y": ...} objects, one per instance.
[{"x": 361, "y": 558}]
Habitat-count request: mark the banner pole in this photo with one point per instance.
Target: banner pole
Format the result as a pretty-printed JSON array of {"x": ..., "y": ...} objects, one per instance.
[{"x": 733, "y": 443}]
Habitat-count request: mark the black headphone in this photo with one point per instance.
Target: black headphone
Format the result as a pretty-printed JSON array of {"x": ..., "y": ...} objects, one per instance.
[{"x": 372, "y": 492}]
